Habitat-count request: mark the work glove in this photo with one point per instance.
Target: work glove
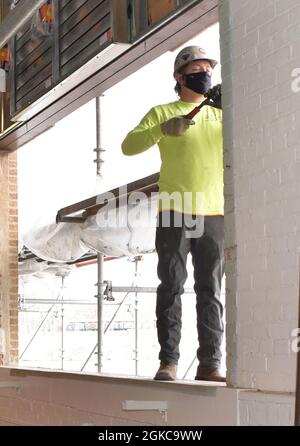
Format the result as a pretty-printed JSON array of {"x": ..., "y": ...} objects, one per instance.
[
  {"x": 215, "y": 96},
  {"x": 176, "y": 126}
]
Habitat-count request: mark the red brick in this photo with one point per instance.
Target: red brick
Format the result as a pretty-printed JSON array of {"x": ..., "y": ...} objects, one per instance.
[
  {"x": 12, "y": 164},
  {"x": 13, "y": 312},
  {"x": 13, "y": 235},
  {"x": 13, "y": 321},
  {"x": 12, "y": 298}
]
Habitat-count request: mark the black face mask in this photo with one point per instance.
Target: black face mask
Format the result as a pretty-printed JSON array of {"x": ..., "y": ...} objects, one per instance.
[{"x": 198, "y": 82}]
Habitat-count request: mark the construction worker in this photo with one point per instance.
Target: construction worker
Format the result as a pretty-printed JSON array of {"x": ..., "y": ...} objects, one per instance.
[{"x": 191, "y": 176}]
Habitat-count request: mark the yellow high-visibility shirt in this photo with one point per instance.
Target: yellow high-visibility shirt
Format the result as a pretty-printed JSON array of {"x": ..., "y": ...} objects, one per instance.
[{"x": 191, "y": 165}]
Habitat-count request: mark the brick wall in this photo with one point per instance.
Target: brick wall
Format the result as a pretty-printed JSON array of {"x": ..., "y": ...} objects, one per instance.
[
  {"x": 8, "y": 259},
  {"x": 260, "y": 46}
]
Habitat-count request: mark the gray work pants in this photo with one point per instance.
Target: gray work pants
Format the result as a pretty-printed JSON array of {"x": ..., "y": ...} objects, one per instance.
[{"x": 173, "y": 243}]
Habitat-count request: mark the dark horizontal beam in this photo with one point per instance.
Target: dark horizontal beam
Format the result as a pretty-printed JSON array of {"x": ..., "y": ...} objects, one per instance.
[{"x": 90, "y": 206}]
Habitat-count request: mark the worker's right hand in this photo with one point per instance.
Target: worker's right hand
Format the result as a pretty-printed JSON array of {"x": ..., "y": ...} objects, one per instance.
[
  {"x": 215, "y": 96},
  {"x": 176, "y": 126}
]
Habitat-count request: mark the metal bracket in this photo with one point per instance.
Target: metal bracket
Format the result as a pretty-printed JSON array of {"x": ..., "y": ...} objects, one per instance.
[
  {"x": 108, "y": 291},
  {"x": 160, "y": 406}
]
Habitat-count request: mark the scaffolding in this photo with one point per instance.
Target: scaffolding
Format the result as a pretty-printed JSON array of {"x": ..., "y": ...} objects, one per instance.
[{"x": 107, "y": 291}]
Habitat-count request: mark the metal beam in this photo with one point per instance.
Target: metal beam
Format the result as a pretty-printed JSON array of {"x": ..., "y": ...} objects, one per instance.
[
  {"x": 16, "y": 19},
  {"x": 90, "y": 206}
]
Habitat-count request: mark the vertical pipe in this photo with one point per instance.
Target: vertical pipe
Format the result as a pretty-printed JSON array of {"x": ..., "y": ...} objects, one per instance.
[
  {"x": 297, "y": 396},
  {"x": 99, "y": 160},
  {"x": 136, "y": 320},
  {"x": 62, "y": 321},
  {"x": 100, "y": 257},
  {"x": 99, "y": 296}
]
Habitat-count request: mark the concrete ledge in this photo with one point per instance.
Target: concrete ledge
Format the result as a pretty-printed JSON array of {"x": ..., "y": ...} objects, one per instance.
[
  {"x": 23, "y": 371},
  {"x": 47, "y": 397}
]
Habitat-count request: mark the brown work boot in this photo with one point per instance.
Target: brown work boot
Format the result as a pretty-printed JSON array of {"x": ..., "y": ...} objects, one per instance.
[
  {"x": 209, "y": 374},
  {"x": 166, "y": 372}
]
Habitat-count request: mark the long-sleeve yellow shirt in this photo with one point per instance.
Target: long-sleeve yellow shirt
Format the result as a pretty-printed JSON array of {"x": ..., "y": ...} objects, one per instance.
[{"x": 191, "y": 165}]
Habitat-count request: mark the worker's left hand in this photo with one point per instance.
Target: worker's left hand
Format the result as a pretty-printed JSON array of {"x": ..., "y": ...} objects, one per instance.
[{"x": 176, "y": 126}]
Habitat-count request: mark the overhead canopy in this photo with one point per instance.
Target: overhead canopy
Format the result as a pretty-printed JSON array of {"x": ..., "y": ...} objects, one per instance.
[{"x": 167, "y": 36}]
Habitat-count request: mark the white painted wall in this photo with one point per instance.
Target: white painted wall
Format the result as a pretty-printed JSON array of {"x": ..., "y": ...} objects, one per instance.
[
  {"x": 50, "y": 398},
  {"x": 260, "y": 47},
  {"x": 56, "y": 398},
  {"x": 265, "y": 409}
]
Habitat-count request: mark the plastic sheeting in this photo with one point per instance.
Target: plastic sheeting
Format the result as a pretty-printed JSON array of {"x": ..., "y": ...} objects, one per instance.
[
  {"x": 40, "y": 269},
  {"x": 31, "y": 266},
  {"x": 126, "y": 231},
  {"x": 56, "y": 242}
]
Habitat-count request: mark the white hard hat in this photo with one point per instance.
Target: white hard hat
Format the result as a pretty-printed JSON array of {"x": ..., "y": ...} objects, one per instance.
[{"x": 190, "y": 53}]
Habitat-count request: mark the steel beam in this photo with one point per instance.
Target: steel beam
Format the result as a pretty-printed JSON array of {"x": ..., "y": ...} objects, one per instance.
[{"x": 90, "y": 206}]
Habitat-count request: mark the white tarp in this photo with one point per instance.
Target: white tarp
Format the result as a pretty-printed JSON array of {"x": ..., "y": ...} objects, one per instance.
[
  {"x": 56, "y": 242},
  {"x": 126, "y": 231},
  {"x": 31, "y": 266},
  {"x": 40, "y": 269}
]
